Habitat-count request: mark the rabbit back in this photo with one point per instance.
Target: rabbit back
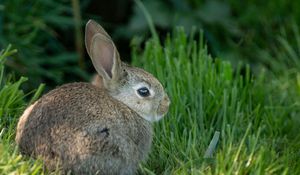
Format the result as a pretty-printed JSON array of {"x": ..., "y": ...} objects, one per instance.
[{"x": 81, "y": 128}]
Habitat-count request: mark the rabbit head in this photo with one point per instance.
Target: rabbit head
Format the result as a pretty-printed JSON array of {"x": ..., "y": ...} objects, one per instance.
[{"x": 134, "y": 87}]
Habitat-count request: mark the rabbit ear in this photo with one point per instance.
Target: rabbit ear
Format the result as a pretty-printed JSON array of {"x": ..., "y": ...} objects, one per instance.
[{"x": 102, "y": 51}]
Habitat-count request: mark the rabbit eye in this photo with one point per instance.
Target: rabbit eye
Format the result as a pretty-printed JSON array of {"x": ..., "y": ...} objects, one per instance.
[{"x": 144, "y": 92}]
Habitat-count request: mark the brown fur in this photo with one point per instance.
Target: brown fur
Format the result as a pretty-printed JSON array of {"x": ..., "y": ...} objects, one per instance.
[
  {"x": 97, "y": 81},
  {"x": 100, "y": 135},
  {"x": 99, "y": 128}
]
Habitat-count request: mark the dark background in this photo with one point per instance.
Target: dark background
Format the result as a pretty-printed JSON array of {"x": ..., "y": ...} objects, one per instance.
[{"x": 43, "y": 32}]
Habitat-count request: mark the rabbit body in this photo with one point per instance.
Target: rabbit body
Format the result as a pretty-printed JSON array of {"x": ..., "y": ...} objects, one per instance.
[
  {"x": 99, "y": 128},
  {"x": 80, "y": 128}
]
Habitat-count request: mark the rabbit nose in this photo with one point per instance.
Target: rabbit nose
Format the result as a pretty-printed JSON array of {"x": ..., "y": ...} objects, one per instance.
[
  {"x": 164, "y": 105},
  {"x": 166, "y": 100}
]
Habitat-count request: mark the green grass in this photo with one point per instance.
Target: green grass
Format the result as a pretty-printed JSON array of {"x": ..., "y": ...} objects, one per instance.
[
  {"x": 257, "y": 116},
  {"x": 257, "y": 120},
  {"x": 12, "y": 103}
]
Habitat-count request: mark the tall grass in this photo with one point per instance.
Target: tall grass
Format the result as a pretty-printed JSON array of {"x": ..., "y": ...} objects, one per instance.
[
  {"x": 12, "y": 103},
  {"x": 256, "y": 118},
  {"x": 258, "y": 133}
]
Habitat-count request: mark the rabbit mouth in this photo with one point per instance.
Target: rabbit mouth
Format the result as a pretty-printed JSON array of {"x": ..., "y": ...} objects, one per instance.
[
  {"x": 152, "y": 118},
  {"x": 157, "y": 118}
]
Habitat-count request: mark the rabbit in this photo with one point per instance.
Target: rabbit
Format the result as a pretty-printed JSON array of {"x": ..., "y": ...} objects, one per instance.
[
  {"x": 83, "y": 129},
  {"x": 97, "y": 81}
]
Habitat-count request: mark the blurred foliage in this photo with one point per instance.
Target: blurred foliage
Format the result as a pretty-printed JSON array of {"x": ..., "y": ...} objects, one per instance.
[
  {"x": 32, "y": 28},
  {"x": 213, "y": 16},
  {"x": 235, "y": 30},
  {"x": 262, "y": 22},
  {"x": 44, "y": 30}
]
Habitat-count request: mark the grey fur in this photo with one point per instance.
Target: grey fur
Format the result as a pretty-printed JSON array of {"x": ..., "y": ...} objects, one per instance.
[
  {"x": 84, "y": 129},
  {"x": 62, "y": 129}
]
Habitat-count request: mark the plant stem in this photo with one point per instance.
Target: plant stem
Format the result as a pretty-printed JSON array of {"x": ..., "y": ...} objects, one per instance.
[{"x": 78, "y": 33}]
